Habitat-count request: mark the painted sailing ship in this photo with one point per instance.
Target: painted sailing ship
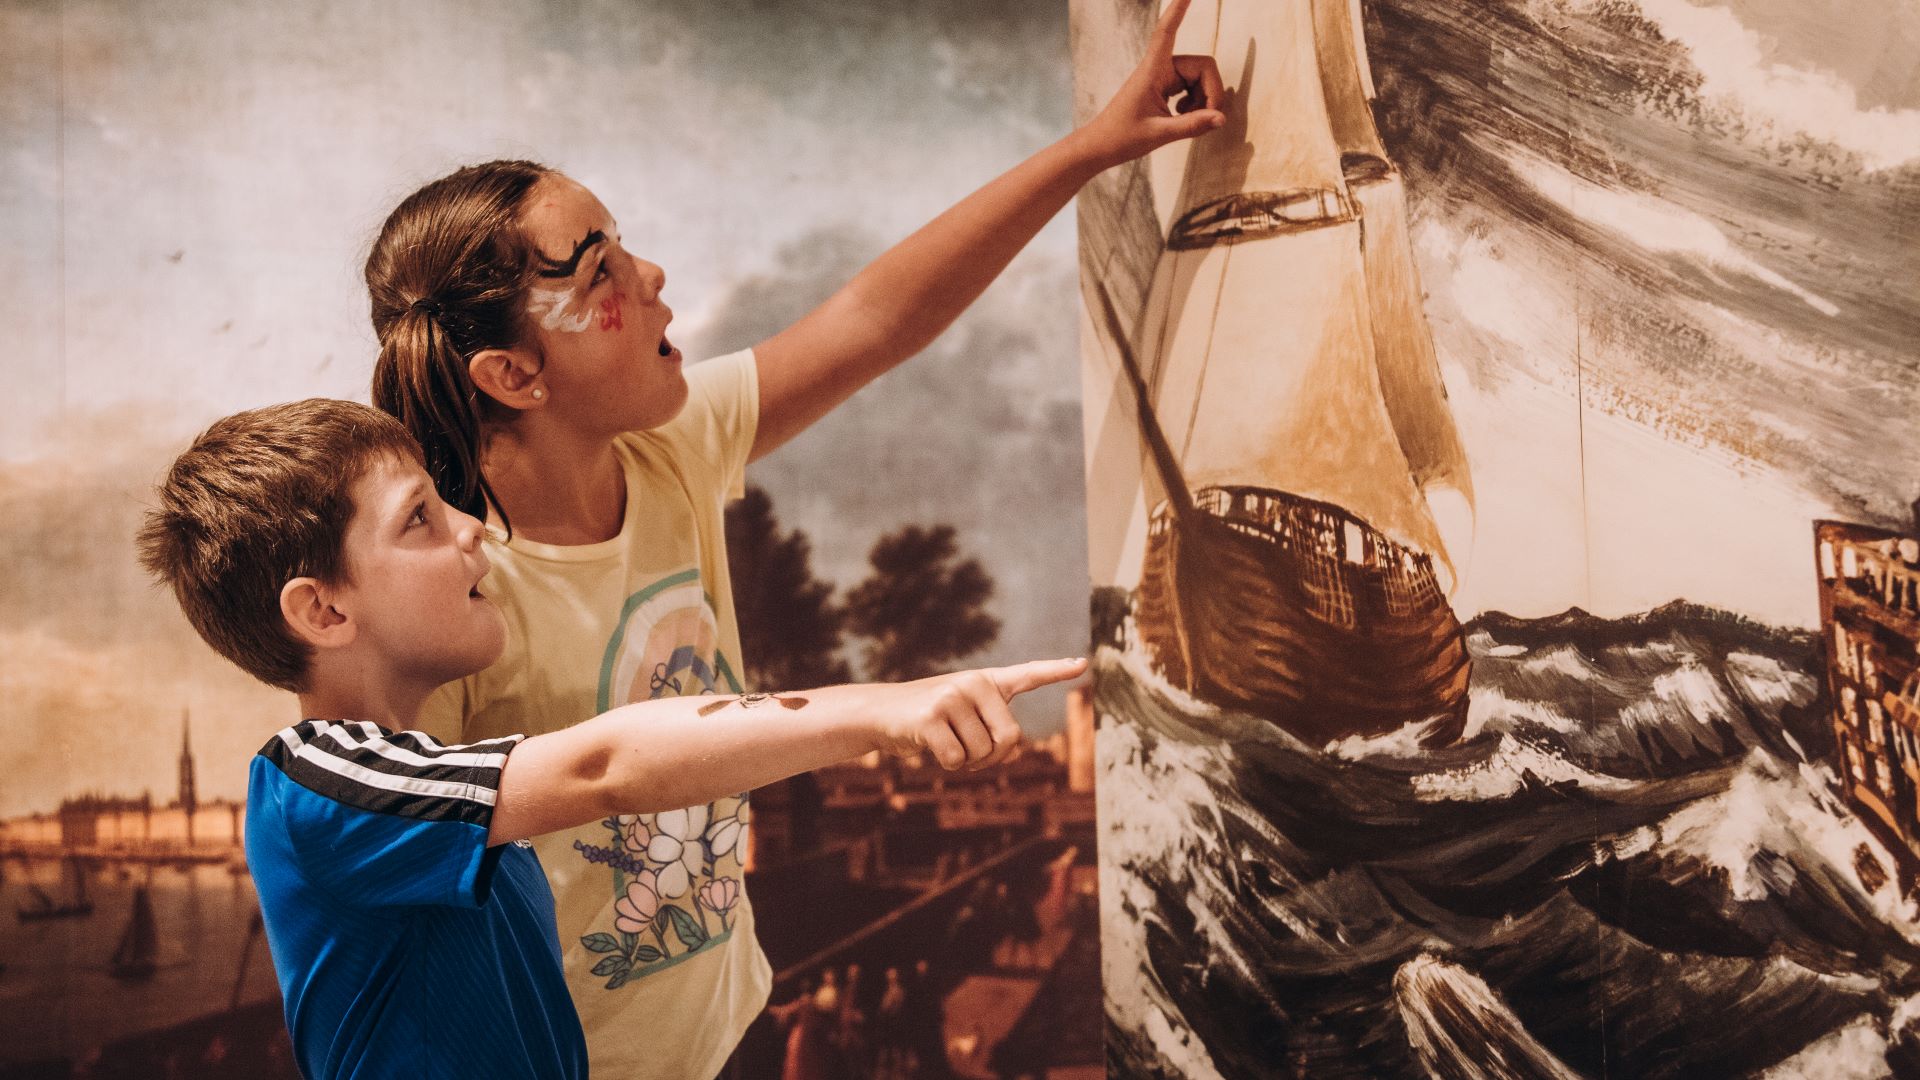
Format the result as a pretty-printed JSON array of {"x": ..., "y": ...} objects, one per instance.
[{"x": 1290, "y": 399}]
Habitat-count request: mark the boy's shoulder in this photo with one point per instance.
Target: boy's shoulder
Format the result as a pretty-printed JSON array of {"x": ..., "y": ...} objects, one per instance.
[
  {"x": 405, "y": 773},
  {"x": 372, "y": 817}
]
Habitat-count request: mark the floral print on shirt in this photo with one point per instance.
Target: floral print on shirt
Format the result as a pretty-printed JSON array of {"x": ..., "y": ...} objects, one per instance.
[{"x": 675, "y": 875}]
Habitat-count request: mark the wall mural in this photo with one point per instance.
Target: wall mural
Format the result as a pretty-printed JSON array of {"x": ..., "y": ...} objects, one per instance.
[
  {"x": 187, "y": 202},
  {"x": 1499, "y": 517}
]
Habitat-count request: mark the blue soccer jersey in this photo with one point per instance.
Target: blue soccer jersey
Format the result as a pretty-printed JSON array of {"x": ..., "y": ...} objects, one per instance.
[{"x": 405, "y": 946}]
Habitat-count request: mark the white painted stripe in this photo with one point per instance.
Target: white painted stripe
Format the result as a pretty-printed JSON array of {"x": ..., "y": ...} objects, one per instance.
[
  {"x": 291, "y": 737},
  {"x": 377, "y": 743},
  {"x": 406, "y": 785}
]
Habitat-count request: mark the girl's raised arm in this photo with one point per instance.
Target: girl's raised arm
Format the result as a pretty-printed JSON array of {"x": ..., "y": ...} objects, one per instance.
[{"x": 905, "y": 298}]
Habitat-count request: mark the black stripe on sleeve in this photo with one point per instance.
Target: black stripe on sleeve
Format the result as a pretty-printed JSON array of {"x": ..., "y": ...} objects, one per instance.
[{"x": 361, "y": 777}]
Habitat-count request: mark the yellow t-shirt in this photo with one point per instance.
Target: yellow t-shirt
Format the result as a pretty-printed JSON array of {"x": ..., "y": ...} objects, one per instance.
[{"x": 655, "y": 928}]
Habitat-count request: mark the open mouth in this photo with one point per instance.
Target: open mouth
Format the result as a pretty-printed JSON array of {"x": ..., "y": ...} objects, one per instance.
[{"x": 666, "y": 347}]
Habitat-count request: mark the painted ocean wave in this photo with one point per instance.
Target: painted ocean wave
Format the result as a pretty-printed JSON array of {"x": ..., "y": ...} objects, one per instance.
[{"x": 1662, "y": 882}]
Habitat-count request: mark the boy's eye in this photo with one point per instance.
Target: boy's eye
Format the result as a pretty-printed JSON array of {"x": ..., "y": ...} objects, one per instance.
[
  {"x": 600, "y": 274},
  {"x": 419, "y": 515}
]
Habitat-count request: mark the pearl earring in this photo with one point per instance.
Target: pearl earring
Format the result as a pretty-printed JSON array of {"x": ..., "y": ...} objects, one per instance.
[{"x": 538, "y": 393}]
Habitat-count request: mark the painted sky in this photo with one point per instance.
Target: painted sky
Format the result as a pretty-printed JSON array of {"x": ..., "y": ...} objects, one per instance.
[{"x": 190, "y": 188}]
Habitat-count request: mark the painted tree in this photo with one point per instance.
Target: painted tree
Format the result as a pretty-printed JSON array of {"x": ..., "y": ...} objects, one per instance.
[
  {"x": 790, "y": 627},
  {"x": 922, "y": 607}
]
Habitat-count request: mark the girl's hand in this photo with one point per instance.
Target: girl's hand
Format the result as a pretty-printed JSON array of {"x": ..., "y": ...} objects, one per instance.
[
  {"x": 1138, "y": 120},
  {"x": 961, "y": 719}
]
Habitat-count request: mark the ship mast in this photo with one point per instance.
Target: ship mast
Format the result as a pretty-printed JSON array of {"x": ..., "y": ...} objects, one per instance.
[
  {"x": 1409, "y": 367},
  {"x": 1258, "y": 339},
  {"x": 1348, "y": 87}
]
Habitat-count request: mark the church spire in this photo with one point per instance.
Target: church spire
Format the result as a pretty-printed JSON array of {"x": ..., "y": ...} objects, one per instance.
[{"x": 189, "y": 798}]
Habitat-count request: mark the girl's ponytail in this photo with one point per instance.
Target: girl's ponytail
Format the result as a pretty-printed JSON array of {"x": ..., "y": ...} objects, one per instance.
[{"x": 447, "y": 278}]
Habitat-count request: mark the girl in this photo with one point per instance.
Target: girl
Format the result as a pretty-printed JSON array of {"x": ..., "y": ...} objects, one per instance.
[{"x": 528, "y": 351}]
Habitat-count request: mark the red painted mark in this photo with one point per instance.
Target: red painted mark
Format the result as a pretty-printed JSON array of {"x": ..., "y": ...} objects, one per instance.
[{"x": 610, "y": 312}]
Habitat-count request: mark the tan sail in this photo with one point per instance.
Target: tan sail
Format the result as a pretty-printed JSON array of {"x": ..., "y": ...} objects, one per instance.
[
  {"x": 1347, "y": 84},
  {"x": 1262, "y": 373},
  {"x": 1274, "y": 163},
  {"x": 1359, "y": 22},
  {"x": 1410, "y": 380}
]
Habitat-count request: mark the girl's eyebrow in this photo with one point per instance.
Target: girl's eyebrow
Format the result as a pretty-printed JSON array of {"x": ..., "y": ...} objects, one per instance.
[{"x": 557, "y": 268}]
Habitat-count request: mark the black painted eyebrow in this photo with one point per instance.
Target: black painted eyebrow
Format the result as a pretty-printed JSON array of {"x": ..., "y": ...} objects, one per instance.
[{"x": 558, "y": 269}]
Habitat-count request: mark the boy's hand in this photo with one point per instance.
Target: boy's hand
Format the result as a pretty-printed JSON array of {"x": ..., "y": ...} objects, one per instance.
[
  {"x": 962, "y": 719},
  {"x": 1137, "y": 120}
]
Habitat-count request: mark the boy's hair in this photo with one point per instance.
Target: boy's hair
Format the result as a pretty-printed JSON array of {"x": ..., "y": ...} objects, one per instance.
[{"x": 260, "y": 498}]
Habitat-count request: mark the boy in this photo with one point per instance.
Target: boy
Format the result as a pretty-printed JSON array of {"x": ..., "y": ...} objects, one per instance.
[{"x": 411, "y": 930}]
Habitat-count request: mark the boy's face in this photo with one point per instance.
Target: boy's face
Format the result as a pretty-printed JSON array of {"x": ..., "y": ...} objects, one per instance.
[{"x": 415, "y": 565}]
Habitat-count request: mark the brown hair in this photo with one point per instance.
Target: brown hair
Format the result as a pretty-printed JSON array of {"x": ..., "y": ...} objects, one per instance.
[
  {"x": 260, "y": 498},
  {"x": 448, "y": 277}
]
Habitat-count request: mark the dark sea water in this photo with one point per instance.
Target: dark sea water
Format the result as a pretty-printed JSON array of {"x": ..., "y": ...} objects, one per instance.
[
  {"x": 1634, "y": 865},
  {"x": 57, "y": 998}
]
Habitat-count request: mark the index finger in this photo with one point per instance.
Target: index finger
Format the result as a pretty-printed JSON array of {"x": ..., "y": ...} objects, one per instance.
[
  {"x": 1019, "y": 678},
  {"x": 1169, "y": 23}
]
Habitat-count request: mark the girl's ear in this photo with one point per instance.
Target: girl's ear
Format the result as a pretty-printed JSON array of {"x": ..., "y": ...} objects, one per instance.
[
  {"x": 508, "y": 376},
  {"x": 308, "y": 607}
]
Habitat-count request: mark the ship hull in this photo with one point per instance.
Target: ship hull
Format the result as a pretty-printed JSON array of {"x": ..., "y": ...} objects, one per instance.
[{"x": 1294, "y": 611}]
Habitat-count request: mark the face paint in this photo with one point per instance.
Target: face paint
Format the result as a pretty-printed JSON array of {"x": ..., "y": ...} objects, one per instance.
[
  {"x": 564, "y": 268},
  {"x": 550, "y": 307},
  {"x": 610, "y": 312}
]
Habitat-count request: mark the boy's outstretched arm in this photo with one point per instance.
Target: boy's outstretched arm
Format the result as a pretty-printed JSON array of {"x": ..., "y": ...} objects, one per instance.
[
  {"x": 906, "y": 297},
  {"x": 661, "y": 755}
]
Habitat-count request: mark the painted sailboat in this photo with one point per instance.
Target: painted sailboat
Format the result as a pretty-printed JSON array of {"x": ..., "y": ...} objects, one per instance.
[
  {"x": 73, "y": 905},
  {"x": 137, "y": 955},
  {"x": 1291, "y": 404}
]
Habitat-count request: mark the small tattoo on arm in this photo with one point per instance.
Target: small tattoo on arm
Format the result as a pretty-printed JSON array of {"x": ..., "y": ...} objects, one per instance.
[{"x": 748, "y": 701}]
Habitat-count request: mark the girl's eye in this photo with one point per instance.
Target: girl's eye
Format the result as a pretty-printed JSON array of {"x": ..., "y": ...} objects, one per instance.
[
  {"x": 601, "y": 274},
  {"x": 419, "y": 516}
]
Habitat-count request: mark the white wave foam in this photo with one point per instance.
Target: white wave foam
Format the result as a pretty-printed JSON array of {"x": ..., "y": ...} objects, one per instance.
[
  {"x": 1768, "y": 809},
  {"x": 1486, "y": 706},
  {"x": 1766, "y": 681},
  {"x": 1458, "y": 1026},
  {"x": 1853, "y": 1051},
  {"x": 1690, "y": 691},
  {"x": 1401, "y": 742},
  {"x": 1512, "y": 764},
  {"x": 1561, "y": 660},
  {"x": 1141, "y": 671},
  {"x": 1154, "y": 804}
]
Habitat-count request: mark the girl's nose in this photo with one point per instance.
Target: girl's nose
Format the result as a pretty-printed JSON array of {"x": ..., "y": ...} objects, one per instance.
[{"x": 652, "y": 278}]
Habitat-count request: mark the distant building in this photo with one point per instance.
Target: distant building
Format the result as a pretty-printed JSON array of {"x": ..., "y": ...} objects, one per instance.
[
  {"x": 113, "y": 826},
  {"x": 1079, "y": 735},
  {"x": 1870, "y": 631},
  {"x": 910, "y": 813}
]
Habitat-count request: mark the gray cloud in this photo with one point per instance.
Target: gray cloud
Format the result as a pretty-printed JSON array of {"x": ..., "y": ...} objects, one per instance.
[{"x": 981, "y": 431}]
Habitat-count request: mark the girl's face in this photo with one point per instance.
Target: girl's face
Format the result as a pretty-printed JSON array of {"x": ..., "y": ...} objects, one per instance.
[{"x": 596, "y": 315}]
